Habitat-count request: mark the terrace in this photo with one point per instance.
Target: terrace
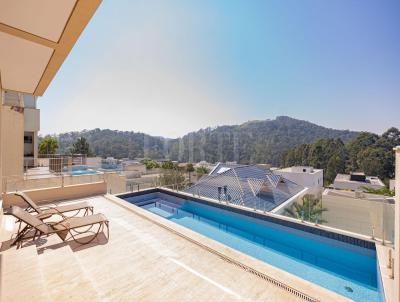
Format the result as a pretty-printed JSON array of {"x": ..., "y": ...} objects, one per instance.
[
  {"x": 144, "y": 251},
  {"x": 147, "y": 257}
]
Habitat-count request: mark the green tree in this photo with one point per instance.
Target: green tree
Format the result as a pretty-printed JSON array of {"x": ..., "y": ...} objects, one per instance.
[
  {"x": 81, "y": 146},
  {"x": 49, "y": 145},
  {"x": 168, "y": 165},
  {"x": 189, "y": 169},
  {"x": 150, "y": 164},
  {"x": 202, "y": 170},
  {"x": 372, "y": 161},
  {"x": 336, "y": 164},
  {"x": 356, "y": 146},
  {"x": 172, "y": 178},
  {"x": 310, "y": 209}
]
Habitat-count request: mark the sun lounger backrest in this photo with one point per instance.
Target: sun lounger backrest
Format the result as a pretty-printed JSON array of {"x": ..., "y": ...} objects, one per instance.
[
  {"x": 29, "y": 201},
  {"x": 29, "y": 219}
]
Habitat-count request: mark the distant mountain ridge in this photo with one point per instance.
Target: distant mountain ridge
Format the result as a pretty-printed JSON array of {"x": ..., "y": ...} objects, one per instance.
[{"x": 251, "y": 142}]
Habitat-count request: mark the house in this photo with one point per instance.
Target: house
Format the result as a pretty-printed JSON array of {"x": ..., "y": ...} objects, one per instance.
[
  {"x": 257, "y": 256},
  {"x": 133, "y": 166},
  {"x": 247, "y": 185},
  {"x": 306, "y": 176},
  {"x": 356, "y": 181}
]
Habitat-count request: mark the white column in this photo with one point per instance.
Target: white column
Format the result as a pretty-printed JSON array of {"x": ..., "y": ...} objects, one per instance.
[{"x": 397, "y": 227}]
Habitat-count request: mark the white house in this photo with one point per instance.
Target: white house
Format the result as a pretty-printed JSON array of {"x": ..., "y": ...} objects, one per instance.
[
  {"x": 356, "y": 182},
  {"x": 306, "y": 176}
]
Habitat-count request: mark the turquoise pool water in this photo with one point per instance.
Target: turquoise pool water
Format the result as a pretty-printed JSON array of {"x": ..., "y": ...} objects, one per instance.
[
  {"x": 82, "y": 170},
  {"x": 343, "y": 268}
]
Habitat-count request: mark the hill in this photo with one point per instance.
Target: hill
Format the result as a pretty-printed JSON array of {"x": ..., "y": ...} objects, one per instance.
[{"x": 252, "y": 142}]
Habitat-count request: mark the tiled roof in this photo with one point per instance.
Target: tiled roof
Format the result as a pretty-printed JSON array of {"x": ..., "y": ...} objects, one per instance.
[{"x": 246, "y": 185}]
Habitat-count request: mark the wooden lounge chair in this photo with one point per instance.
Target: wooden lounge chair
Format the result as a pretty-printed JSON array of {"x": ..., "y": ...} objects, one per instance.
[
  {"x": 46, "y": 211},
  {"x": 35, "y": 228}
]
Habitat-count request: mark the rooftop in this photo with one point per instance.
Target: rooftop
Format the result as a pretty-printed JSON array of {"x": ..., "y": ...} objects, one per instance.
[
  {"x": 246, "y": 185},
  {"x": 373, "y": 180},
  {"x": 299, "y": 169},
  {"x": 358, "y": 194},
  {"x": 165, "y": 262}
]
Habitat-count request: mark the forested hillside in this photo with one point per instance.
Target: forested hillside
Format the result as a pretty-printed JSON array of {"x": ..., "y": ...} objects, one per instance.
[
  {"x": 252, "y": 142},
  {"x": 368, "y": 152},
  {"x": 118, "y": 144}
]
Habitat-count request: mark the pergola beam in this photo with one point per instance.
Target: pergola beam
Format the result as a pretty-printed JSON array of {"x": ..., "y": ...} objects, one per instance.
[
  {"x": 27, "y": 36},
  {"x": 80, "y": 17}
]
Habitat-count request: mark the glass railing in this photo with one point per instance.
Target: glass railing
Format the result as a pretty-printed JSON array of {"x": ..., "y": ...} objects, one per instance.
[{"x": 367, "y": 215}]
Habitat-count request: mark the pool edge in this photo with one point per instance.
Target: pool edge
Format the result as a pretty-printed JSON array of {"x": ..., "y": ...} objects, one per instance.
[{"x": 302, "y": 288}]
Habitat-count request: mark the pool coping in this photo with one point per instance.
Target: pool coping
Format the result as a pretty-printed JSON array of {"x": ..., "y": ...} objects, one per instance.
[
  {"x": 388, "y": 283},
  {"x": 320, "y": 230},
  {"x": 299, "y": 287}
]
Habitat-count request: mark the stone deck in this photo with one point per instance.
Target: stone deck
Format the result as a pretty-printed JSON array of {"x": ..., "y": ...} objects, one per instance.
[{"x": 142, "y": 261}]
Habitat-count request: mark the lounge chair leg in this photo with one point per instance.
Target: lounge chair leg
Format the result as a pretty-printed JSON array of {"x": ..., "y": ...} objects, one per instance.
[{"x": 108, "y": 230}]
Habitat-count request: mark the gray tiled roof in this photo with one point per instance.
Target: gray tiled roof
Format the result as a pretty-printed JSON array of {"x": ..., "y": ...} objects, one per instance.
[{"x": 246, "y": 185}]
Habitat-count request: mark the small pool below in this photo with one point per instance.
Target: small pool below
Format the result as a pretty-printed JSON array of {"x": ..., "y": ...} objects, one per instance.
[
  {"x": 81, "y": 170},
  {"x": 344, "y": 268}
]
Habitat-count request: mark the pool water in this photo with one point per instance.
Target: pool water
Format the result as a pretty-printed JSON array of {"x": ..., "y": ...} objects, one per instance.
[
  {"x": 81, "y": 170},
  {"x": 343, "y": 268}
]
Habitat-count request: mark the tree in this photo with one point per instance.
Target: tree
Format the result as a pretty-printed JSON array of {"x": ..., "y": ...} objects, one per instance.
[
  {"x": 150, "y": 164},
  {"x": 336, "y": 164},
  {"x": 49, "y": 145},
  {"x": 172, "y": 178},
  {"x": 310, "y": 209},
  {"x": 168, "y": 165},
  {"x": 357, "y": 145},
  {"x": 81, "y": 146},
  {"x": 189, "y": 169},
  {"x": 202, "y": 170}
]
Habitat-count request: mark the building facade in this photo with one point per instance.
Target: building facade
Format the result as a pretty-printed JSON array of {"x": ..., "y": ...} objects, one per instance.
[
  {"x": 306, "y": 176},
  {"x": 356, "y": 182}
]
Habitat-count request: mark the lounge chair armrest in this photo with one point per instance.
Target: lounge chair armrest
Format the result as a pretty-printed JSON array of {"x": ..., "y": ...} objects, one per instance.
[
  {"x": 61, "y": 221},
  {"x": 57, "y": 212},
  {"x": 48, "y": 206}
]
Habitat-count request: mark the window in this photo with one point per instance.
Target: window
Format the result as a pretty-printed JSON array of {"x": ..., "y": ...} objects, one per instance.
[{"x": 28, "y": 139}]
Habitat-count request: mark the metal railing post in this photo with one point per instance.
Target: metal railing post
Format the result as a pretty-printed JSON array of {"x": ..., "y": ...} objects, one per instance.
[
  {"x": 389, "y": 265},
  {"x": 391, "y": 275}
]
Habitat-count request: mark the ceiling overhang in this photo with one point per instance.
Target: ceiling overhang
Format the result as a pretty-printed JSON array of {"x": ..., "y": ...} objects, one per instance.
[{"x": 36, "y": 36}]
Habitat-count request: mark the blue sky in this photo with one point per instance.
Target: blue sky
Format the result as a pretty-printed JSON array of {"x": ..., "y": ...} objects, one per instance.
[{"x": 170, "y": 67}]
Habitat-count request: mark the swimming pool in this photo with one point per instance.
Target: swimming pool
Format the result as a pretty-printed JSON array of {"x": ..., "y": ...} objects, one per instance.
[
  {"x": 347, "y": 269},
  {"x": 82, "y": 170}
]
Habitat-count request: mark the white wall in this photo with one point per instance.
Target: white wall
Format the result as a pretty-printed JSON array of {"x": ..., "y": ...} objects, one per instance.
[
  {"x": 309, "y": 180},
  {"x": 93, "y": 161},
  {"x": 31, "y": 119},
  {"x": 135, "y": 167},
  {"x": 354, "y": 185}
]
